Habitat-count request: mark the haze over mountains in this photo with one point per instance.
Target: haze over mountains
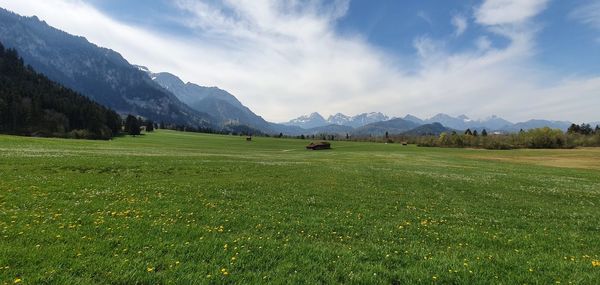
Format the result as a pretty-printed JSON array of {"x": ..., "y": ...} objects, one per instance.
[
  {"x": 104, "y": 76},
  {"x": 375, "y": 123},
  {"x": 220, "y": 104}
]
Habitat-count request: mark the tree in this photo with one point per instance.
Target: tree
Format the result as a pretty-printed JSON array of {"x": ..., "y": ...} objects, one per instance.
[
  {"x": 586, "y": 129},
  {"x": 597, "y": 131},
  {"x": 149, "y": 126},
  {"x": 132, "y": 125},
  {"x": 387, "y": 135},
  {"x": 484, "y": 133},
  {"x": 348, "y": 136},
  {"x": 573, "y": 129},
  {"x": 475, "y": 133},
  {"x": 280, "y": 135},
  {"x": 468, "y": 132},
  {"x": 583, "y": 129},
  {"x": 302, "y": 137}
]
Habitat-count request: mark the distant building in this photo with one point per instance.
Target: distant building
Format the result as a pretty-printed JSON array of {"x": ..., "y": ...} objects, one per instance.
[{"x": 318, "y": 146}]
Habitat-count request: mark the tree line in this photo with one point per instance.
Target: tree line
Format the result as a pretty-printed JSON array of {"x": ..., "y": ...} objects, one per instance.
[
  {"x": 577, "y": 136},
  {"x": 534, "y": 138}
]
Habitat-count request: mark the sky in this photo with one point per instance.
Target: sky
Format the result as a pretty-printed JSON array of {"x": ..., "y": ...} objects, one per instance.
[{"x": 518, "y": 59}]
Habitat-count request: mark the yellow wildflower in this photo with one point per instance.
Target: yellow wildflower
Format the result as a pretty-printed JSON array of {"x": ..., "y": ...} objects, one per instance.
[
  {"x": 150, "y": 269},
  {"x": 596, "y": 263},
  {"x": 18, "y": 280}
]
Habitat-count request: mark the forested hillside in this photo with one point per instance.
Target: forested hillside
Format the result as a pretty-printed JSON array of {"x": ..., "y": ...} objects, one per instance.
[{"x": 31, "y": 104}]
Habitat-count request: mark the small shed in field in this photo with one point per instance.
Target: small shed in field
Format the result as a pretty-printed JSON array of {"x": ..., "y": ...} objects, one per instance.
[{"x": 318, "y": 146}]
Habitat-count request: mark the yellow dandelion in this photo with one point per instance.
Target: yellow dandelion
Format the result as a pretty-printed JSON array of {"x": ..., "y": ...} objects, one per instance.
[
  {"x": 224, "y": 271},
  {"x": 18, "y": 280},
  {"x": 150, "y": 269},
  {"x": 596, "y": 263}
]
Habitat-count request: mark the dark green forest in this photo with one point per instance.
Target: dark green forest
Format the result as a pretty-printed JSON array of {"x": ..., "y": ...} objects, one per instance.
[{"x": 33, "y": 105}]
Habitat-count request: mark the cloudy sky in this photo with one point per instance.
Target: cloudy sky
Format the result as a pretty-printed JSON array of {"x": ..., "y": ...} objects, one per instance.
[{"x": 520, "y": 59}]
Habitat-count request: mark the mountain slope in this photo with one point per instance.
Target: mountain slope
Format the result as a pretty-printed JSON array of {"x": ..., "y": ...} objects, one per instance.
[
  {"x": 31, "y": 104},
  {"x": 413, "y": 119},
  {"x": 393, "y": 126},
  {"x": 463, "y": 122},
  {"x": 225, "y": 108},
  {"x": 101, "y": 74},
  {"x": 534, "y": 124},
  {"x": 434, "y": 129},
  {"x": 460, "y": 123},
  {"x": 330, "y": 129},
  {"x": 191, "y": 93}
]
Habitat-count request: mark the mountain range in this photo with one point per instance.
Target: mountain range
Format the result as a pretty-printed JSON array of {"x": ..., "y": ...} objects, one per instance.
[
  {"x": 101, "y": 74},
  {"x": 377, "y": 123},
  {"x": 223, "y": 107},
  {"x": 315, "y": 120},
  {"x": 105, "y": 77}
]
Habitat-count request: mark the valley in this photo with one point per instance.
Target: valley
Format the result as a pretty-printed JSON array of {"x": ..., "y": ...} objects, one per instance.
[{"x": 174, "y": 207}]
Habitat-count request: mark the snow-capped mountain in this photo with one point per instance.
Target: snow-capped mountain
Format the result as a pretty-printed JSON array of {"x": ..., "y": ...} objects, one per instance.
[
  {"x": 367, "y": 118},
  {"x": 339, "y": 119},
  {"x": 316, "y": 120},
  {"x": 308, "y": 121}
]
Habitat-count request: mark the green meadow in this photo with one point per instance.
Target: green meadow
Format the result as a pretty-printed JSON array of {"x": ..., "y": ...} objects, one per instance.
[{"x": 184, "y": 208}]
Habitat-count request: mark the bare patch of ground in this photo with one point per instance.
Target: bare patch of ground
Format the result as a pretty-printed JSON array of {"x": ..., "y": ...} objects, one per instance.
[{"x": 581, "y": 158}]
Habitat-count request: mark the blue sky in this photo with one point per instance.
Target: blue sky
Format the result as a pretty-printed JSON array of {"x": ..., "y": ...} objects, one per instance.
[{"x": 520, "y": 59}]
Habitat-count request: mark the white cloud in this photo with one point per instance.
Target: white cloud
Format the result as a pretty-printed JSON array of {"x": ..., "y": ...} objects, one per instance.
[
  {"x": 425, "y": 17},
  {"x": 284, "y": 59},
  {"x": 460, "y": 24},
  {"x": 588, "y": 14},
  {"x": 502, "y": 12},
  {"x": 483, "y": 43}
]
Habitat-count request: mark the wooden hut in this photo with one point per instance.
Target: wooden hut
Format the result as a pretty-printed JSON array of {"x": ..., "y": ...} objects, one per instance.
[{"x": 319, "y": 146}]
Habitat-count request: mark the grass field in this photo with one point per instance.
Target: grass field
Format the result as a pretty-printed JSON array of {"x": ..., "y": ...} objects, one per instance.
[{"x": 183, "y": 208}]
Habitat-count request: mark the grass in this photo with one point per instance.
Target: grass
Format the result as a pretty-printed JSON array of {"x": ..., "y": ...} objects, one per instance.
[{"x": 182, "y": 208}]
